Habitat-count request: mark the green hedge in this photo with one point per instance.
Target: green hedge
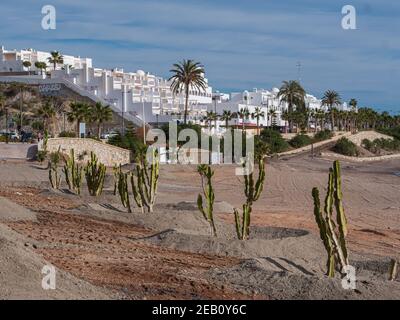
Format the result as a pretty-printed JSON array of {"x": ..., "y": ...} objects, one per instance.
[{"x": 346, "y": 147}]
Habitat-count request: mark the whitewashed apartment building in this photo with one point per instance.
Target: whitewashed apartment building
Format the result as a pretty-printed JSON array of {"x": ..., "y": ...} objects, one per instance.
[{"x": 137, "y": 96}]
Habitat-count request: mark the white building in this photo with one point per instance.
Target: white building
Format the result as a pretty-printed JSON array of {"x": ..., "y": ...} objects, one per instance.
[{"x": 137, "y": 96}]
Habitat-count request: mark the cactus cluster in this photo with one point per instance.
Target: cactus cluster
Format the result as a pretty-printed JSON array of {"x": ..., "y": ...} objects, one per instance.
[
  {"x": 206, "y": 174},
  {"x": 73, "y": 173},
  {"x": 122, "y": 186},
  {"x": 146, "y": 176},
  {"x": 333, "y": 234},
  {"x": 95, "y": 173},
  {"x": 54, "y": 175},
  {"x": 252, "y": 192},
  {"x": 144, "y": 182}
]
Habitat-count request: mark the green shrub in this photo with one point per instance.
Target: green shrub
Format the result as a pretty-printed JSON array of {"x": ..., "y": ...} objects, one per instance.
[
  {"x": 67, "y": 134},
  {"x": 41, "y": 156},
  {"x": 300, "y": 140},
  {"x": 128, "y": 141},
  {"x": 394, "y": 132},
  {"x": 346, "y": 147},
  {"x": 274, "y": 140},
  {"x": 381, "y": 144},
  {"x": 323, "y": 135}
]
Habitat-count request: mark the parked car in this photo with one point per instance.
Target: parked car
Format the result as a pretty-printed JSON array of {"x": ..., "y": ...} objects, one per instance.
[{"x": 108, "y": 135}]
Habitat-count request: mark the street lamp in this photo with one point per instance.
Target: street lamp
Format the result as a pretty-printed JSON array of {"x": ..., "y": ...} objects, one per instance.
[{"x": 143, "y": 117}]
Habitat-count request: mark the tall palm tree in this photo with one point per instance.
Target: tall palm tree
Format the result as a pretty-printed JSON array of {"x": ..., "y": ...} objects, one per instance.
[
  {"x": 187, "y": 75},
  {"x": 293, "y": 94},
  {"x": 331, "y": 99},
  {"x": 27, "y": 64},
  {"x": 243, "y": 114},
  {"x": 210, "y": 117},
  {"x": 272, "y": 115},
  {"x": 100, "y": 114},
  {"x": 56, "y": 58},
  {"x": 227, "y": 116},
  {"x": 353, "y": 103},
  {"x": 78, "y": 112},
  {"x": 46, "y": 112},
  {"x": 257, "y": 114}
]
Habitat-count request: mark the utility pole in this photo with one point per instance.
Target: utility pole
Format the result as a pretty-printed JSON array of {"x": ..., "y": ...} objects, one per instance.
[{"x": 298, "y": 65}]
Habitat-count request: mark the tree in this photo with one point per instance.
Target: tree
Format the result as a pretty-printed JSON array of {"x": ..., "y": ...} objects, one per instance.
[
  {"x": 257, "y": 114},
  {"x": 210, "y": 117},
  {"x": 353, "y": 103},
  {"x": 56, "y": 58},
  {"x": 331, "y": 99},
  {"x": 46, "y": 112},
  {"x": 187, "y": 75},
  {"x": 79, "y": 112},
  {"x": 293, "y": 94},
  {"x": 41, "y": 66},
  {"x": 227, "y": 116},
  {"x": 243, "y": 114},
  {"x": 27, "y": 64},
  {"x": 100, "y": 114},
  {"x": 272, "y": 115}
]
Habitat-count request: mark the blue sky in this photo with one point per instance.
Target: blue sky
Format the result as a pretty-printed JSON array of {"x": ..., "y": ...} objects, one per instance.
[{"x": 243, "y": 44}]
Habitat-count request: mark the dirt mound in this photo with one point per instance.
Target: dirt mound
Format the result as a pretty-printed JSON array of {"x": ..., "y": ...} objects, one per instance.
[
  {"x": 21, "y": 278},
  {"x": 12, "y": 211}
]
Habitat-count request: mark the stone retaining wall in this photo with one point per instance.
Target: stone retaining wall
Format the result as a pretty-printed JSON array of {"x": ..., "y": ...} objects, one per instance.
[
  {"x": 107, "y": 154},
  {"x": 332, "y": 155}
]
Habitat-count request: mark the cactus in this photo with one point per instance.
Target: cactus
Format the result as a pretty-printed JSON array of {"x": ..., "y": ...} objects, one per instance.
[
  {"x": 333, "y": 235},
  {"x": 54, "y": 176},
  {"x": 123, "y": 189},
  {"x": 208, "y": 191},
  {"x": 73, "y": 173},
  {"x": 116, "y": 173},
  {"x": 252, "y": 192},
  {"x": 95, "y": 173},
  {"x": 144, "y": 186},
  {"x": 393, "y": 270}
]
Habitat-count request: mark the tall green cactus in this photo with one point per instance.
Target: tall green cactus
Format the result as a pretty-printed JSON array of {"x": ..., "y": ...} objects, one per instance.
[
  {"x": 333, "y": 235},
  {"x": 146, "y": 176},
  {"x": 95, "y": 173},
  {"x": 252, "y": 192},
  {"x": 123, "y": 189},
  {"x": 73, "y": 173},
  {"x": 206, "y": 173},
  {"x": 54, "y": 176},
  {"x": 116, "y": 172}
]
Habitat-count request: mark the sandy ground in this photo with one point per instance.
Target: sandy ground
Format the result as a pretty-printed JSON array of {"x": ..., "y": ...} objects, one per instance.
[{"x": 169, "y": 254}]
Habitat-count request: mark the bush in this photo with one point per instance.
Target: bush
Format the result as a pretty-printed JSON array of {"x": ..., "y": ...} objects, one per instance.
[
  {"x": 394, "y": 132},
  {"x": 300, "y": 140},
  {"x": 41, "y": 156},
  {"x": 346, "y": 147},
  {"x": 274, "y": 140},
  {"x": 67, "y": 134},
  {"x": 128, "y": 141},
  {"x": 381, "y": 144},
  {"x": 323, "y": 135}
]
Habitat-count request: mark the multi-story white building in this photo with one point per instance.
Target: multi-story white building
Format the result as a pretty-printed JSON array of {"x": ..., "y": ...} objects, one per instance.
[
  {"x": 137, "y": 96},
  {"x": 269, "y": 102}
]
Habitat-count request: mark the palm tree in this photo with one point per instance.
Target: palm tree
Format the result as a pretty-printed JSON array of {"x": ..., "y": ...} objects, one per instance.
[
  {"x": 243, "y": 114},
  {"x": 272, "y": 115},
  {"x": 46, "y": 112},
  {"x": 257, "y": 114},
  {"x": 79, "y": 112},
  {"x": 293, "y": 94},
  {"x": 353, "y": 103},
  {"x": 41, "y": 66},
  {"x": 227, "y": 116},
  {"x": 186, "y": 75},
  {"x": 331, "y": 99},
  {"x": 210, "y": 117},
  {"x": 56, "y": 58},
  {"x": 100, "y": 114}
]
